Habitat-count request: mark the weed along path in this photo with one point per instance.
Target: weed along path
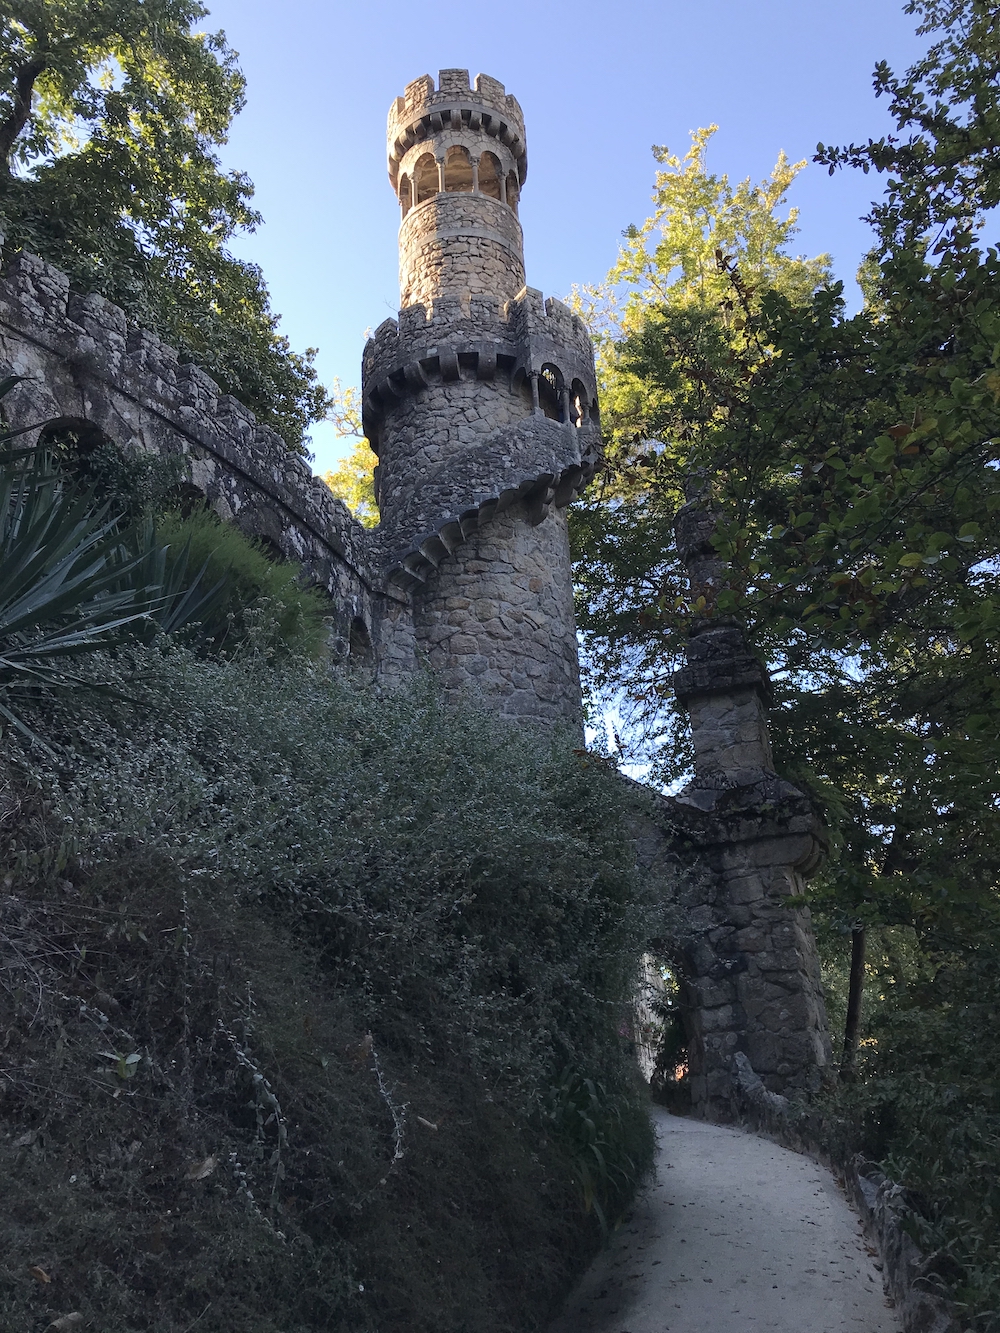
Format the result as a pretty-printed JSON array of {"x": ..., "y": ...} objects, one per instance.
[{"x": 735, "y": 1234}]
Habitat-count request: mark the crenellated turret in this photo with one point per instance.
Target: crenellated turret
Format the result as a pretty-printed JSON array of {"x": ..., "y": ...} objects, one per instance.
[
  {"x": 481, "y": 403},
  {"x": 457, "y": 161}
]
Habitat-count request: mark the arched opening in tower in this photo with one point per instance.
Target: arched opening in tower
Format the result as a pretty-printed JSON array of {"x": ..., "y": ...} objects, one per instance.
[
  {"x": 489, "y": 176},
  {"x": 578, "y": 403},
  {"x": 513, "y": 190},
  {"x": 458, "y": 171},
  {"x": 405, "y": 194},
  {"x": 425, "y": 173},
  {"x": 550, "y": 385}
]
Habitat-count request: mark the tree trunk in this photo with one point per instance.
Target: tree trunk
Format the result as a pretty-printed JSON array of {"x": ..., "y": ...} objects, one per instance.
[
  {"x": 852, "y": 1027},
  {"x": 24, "y": 87}
]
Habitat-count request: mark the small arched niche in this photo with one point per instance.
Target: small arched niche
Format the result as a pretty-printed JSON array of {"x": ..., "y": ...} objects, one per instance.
[
  {"x": 458, "y": 171},
  {"x": 405, "y": 194},
  {"x": 489, "y": 176},
  {"x": 513, "y": 190},
  {"x": 73, "y": 438},
  {"x": 425, "y": 174},
  {"x": 85, "y": 453},
  {"x": 360, "y": 648}
]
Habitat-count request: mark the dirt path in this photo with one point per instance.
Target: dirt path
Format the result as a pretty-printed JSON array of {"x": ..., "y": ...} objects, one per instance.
[{"x": 736, "y": 1234}]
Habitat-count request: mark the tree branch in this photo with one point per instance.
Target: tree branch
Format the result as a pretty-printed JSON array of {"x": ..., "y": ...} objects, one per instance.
[{"x": 19, "y": 116}]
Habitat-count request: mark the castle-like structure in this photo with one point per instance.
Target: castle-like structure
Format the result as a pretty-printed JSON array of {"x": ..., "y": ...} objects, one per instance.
[
  {"x": 481, "y": 404},
  {"x": 480, "y": 401}
]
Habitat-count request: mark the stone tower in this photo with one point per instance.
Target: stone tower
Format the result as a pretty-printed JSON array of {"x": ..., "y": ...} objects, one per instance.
[{"x": 481, "y": 404}]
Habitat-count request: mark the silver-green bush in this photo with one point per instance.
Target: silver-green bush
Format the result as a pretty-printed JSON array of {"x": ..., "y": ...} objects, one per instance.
[{"x": 343, "y": 952}]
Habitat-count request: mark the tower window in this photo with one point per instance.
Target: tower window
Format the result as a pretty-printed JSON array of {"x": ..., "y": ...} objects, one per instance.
[
  {"x": 458, "y": 171},
  {"x": 513, "y": 190},
  {"x": 489, "y": 175},
  {"x": 550, "y": 392},
  {"x": 426, "y": 176}
]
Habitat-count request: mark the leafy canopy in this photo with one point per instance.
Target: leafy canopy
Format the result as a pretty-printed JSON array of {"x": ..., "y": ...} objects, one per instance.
[
  {"x": 853, "y": 464},
  {"x": 111, "y": 114},
  {"x": 353, "y": 480},
  {"x": 674, "y": 285}
]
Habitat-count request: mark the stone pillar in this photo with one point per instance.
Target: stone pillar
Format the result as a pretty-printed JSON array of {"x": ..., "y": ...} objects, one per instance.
[{"x": 753, "y": 982}]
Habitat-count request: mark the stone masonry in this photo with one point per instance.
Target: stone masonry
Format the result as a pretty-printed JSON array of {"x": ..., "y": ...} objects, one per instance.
[
  {"x": 480, "y": 388},
  {"x": 87, "y": 368},
  {"x": 480, "y": 401}
]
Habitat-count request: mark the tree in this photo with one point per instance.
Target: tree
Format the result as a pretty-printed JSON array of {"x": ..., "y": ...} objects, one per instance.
[
  {"x": 353, "y": 481},
  {"x": 111, "y": 112},
  {"x": 676, "y": 281},
  {"x": 854, "y": 468}
]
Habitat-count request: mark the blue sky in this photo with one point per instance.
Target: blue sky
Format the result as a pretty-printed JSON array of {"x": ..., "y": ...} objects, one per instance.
[{"x": 599, "y": 83}]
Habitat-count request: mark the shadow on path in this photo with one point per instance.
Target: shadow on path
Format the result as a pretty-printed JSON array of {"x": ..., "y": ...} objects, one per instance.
[{"x": 735, "y": 1234}]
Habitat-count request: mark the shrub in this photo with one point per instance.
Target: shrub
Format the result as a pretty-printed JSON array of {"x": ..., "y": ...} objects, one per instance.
[
  {"x": 926, "y": 1100},
  {"x": 265, "y": 598},
  {"x": 305, "y": 989}
]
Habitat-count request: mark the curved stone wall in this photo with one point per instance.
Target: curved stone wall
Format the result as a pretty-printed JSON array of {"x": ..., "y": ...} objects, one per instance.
[
  {"x": 460, "y": 245},
  {"x": 81, "y": 359}
]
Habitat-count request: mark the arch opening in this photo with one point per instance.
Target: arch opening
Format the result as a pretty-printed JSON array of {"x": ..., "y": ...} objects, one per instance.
[
  {"x": 489, "y": 176},
  {"x": 72, "y": 438},
  {"x": 513, "y": 190},
  {"x": 360, "y": 648},
  {"x": 425, "y": 174},
  {"x": 405, "y": 194},
  {"x": 578, "y": 403},
  {"x": 458, "y": 171},
  {"x": 550, "y": 384}
]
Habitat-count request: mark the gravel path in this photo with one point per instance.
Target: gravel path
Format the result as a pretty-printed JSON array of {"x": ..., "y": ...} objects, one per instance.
[{"x": 736, "y": 1235}]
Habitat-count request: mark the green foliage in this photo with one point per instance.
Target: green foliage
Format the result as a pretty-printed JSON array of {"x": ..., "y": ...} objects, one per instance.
[
  {"x": 263, "y": 598},
  {"x": 354, "y": 482},
  {"x": 133, "y": 484},
  {"x": 110, "y": 117},
  {"x": 354, "y": 940},
  {"x": 674, "y": 328},
  {"x": 68, "y": 583},
  {"x": 926, "y": 1102},
  {"x": 675, "y": 269},
  {"x": 853, "y": 466},
  {"x": 591, "y": 1127}
]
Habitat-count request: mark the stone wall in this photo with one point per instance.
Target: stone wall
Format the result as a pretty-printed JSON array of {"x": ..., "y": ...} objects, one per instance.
[{"x": 83, "y": 362}]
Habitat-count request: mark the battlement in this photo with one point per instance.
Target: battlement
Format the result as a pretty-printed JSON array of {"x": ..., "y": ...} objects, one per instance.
[
  {"x": 82, "y": 359},
  {"x": 547, "y": 320},
  {"x": 482, "y": 106},
  {"x": 477, "y": 338}
]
